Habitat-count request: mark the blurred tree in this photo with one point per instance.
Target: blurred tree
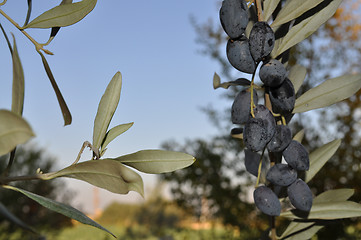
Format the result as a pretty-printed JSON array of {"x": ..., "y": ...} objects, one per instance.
[
  {"x": 218, "y": 173},
  {"x": 26, "y": 160}
]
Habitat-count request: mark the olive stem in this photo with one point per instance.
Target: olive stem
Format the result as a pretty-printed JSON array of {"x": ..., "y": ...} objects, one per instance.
[
  {"x": 259, "y": 10},
  {"x": 259, "y": 168},
  {"x": 251, "y": 89},
  {"x": 37, "y": 45}
]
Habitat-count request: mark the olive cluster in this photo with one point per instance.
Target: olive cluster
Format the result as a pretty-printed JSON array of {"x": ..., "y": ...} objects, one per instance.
[{"x": 264, "y": 128}]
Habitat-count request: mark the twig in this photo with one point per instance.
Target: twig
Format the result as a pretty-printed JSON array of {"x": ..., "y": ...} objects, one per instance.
[
  {"x": 37, "y": 45},
  {"x": 259, "y": 10}
]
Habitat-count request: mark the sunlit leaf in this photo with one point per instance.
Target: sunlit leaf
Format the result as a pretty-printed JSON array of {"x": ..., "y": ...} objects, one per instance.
[
  {"x": 268, "y": 8},
  {"x": 18, "y": 82},
  {"x": 299, "y": 136},
  {"x": 305, "y": 230},
  {"x": 327, "y": 211},
  {"x": 64, "y": 108},
  {"x": 157, "y": 161},
  {"x": 63, "y": 15},
  {"x": 297, "y": 75},
  {"x": 107, "y": 106},
  {"x": 60, "y": 208},
  {"x": 320, "y": 156},
  {"x": 293, "y": 9},
  {"x": 108, "y": 174},
  {"x": 329, "y": 92},
  {"x": 113, "y": 133},
  {"x": 300, "y": 230},
  {"x": 308, "y": 26},
  {"x": 14, "y": 219},
  {"x": 14, "y": 130},
  {"x": 334, "y": 195}
]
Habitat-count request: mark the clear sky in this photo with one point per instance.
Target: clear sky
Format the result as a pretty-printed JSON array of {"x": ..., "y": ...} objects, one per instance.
[{"x": 165, "y": 78}]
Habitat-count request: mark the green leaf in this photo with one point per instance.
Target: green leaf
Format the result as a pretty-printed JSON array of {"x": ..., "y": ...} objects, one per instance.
[
  {"x": 327, "y": 211},
  {"x": 157, "y": 161},
  {"x": 329, "y": 92},
  {"x": 308, "y": 26},
  {"x": 268, "y": 8},
  {"x": 64, "y": 108},
  {"x": 107, "y": 106},
  {"x": 108, "y": 174},
  {"x": 60, "y": 208},
  {"x": 320, "y": 156},
  {"x": 113, "y": 133},
  {"x": 14, "y": 219},
  {"x": 293, "y": 9},
  {"x": 334, "y": 195},
  {"x": 297, "y": 75},
  {"x": 14, "y": 130},
  {"x": 63, "y": 15},
  {"x": 300, "y": 230},
  {"x": 18, "y": 82}
]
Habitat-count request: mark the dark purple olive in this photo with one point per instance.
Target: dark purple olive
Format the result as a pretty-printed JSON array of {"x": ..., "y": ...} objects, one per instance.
[
  {"x": 267, "y": 201},
  {"x": 241, "y": 106},
  {"x": 261, "y": 40},
  {"x": 300, "y": 195},
  {"x": 234, "y": 17},
  {"x": 239, "y": 56}
]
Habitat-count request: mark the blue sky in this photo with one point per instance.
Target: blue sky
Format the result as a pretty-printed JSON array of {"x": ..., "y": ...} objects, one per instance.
[{"x": 165, "y": 78}]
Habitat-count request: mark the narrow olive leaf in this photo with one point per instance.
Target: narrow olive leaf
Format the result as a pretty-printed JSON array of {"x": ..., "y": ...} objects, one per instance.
[
  {"x": 6, "y": 38},
  {"x": 108, "y": 174},
  {"x": 334, "y": 195},
  {"x": 329, "y": 92},
  {"x": 308, "y": 26},
  {"x": 157, "y": 161},
  {"x": 115, "y": 132},
  {"x": 63, "y": 15},
  {"x": 64, "y": 108},
  {"x": 300, "y": 230},
  {"x": 328, "y": 211},
  {"x": 14, "y": 219},
  {"x": 60, "y": 208},
  {"x": 107, "y": 106},
  {"x": 18, "y": 82},
  {"x": 14, "y": 130},
  {"x": 238, "y": 82},
  {"x": 297, "y": 75},
  {"x": 293, "y": 9},
  {"x": 268, "y": 8},
  {"x": 320, "y": 156},
  {"x": 55, "y": 30},
  {"x": 299, "y": 136},
  {"x": 30, "y": 5}
]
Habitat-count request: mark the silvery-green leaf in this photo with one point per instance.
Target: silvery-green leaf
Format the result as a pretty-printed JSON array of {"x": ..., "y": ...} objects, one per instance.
[
  {"x": 320, "y": 156},
  {"x": 308, "y": 26},
  {"x": 60, "y": 208},
  {"x": 14, "y": 130},
  {"x": 334, "y": 195},
  {"x": 293, "y": 9},
  {"x": 18, "y": 82},
  {"x": 108, "y": 174},
  {"x": 64, "y": 108},
  {"x": 63, "y": 15},
  {"x": 329, "y": 92},
  {"x": 157, "y": 161},
  {"x": 327, "y": 211},
  {"x": 268, "y": 8},
  {"x": 299, "y": 136},
  {"x": 113, "y": 133},
  {"x": 300, "y": 231},
  {"x": 107, "y": 106},
  {"x": 297, "y": 75}
]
